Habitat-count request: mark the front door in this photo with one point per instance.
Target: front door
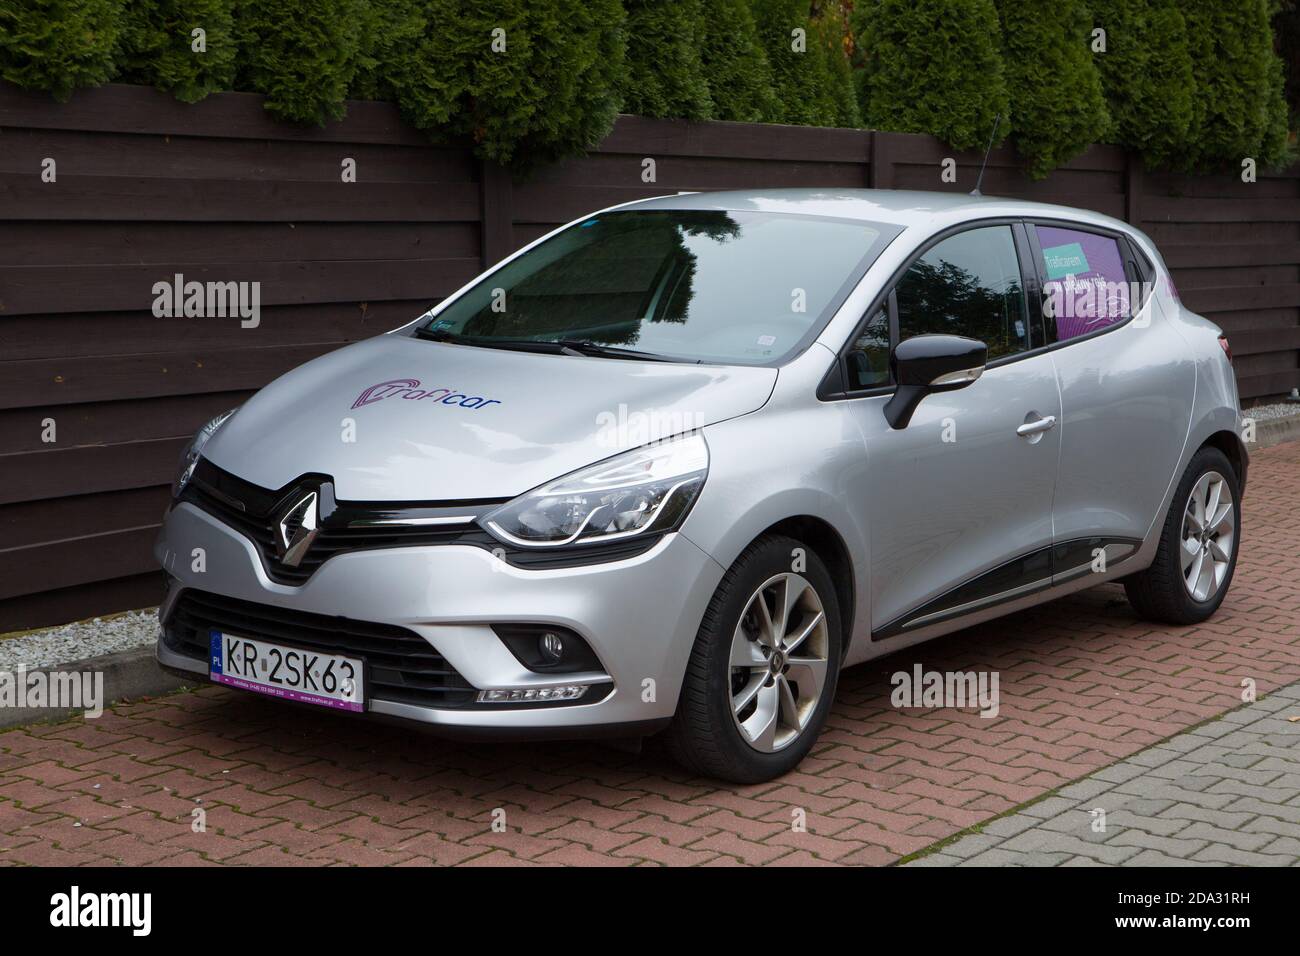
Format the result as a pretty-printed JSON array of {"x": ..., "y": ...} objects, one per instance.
[{"x": 959, "y": 503}]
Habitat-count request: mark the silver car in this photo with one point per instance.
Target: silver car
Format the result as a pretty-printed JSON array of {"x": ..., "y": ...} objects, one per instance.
[{"x": 674, "y": 465}]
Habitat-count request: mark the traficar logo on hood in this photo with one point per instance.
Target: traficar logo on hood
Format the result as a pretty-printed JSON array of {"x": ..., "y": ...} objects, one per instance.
[{"x": 409, "y": 389}]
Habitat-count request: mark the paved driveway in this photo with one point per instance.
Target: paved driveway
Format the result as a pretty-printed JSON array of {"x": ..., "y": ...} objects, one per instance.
[
  {"x": 1226, "y": 792},
  {"x": 1083, "y": 685}
]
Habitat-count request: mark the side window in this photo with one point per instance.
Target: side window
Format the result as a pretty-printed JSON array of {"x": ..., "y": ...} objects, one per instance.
[
  {"x": 968, "y": 284},
  {"x": 1086, "y": 287},
  {"x": 869, "y": 358}
]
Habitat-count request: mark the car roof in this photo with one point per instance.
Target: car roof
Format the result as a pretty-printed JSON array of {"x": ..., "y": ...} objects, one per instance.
[{"x": 901, "y": 207}]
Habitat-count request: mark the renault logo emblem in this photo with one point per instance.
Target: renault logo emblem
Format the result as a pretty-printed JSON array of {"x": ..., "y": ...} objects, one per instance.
[{"x": 297, "y": 529}]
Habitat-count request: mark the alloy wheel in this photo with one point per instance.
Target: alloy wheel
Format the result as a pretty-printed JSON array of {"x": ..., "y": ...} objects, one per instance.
[
  {"x": 1209, "y": 532},
  {"x": 778, "y": 662}
]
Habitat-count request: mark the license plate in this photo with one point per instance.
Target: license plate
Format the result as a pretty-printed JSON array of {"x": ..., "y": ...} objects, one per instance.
[{"x": 290, "y": 673}]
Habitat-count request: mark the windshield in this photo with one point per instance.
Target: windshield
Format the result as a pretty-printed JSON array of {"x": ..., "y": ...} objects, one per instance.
[{"x": 689, "y": 285}]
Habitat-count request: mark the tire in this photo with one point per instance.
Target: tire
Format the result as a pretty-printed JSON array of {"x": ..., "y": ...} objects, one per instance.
[
  {"x": 1161, "y": 592},
  {"x": 707, "y": 735}
]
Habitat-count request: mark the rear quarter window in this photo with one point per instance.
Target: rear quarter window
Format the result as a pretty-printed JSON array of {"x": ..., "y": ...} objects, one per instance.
[{"x": 1085, "y": 283}]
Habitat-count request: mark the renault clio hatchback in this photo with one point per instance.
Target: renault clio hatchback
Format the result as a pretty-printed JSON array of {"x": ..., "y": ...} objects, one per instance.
[{"x": 674, "y": 465}]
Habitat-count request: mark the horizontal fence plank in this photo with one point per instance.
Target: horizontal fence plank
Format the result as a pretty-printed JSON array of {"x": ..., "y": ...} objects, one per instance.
[
  {"x": 1222, "y": 184},
  {"x": 1269, "y": 384},
  {"x": 694, "y": 173},
  {"x": 56, "y": 605},
  {"x": 38, "y": 522},
  {"x": 1239, "y": 298},
  {"x": 33, "y": 243},
  {"x": 1221, "y": 233},
  {"x": 78, "y": 153},
  {"x": 74, "y": 561},
  {"x": 120, "y": 108},
  {"x": 1218, "y": 209},
  {"x": 1254, "y": 341},
  {"x": 1262, "y": 275},
  {"x": 106, "y": 423},
  {"x": 49, "y": 289},
  {"x": 87, "y": 469},
  {"x": 73, "y": 334},
  {"x": 1006, "y": 182},
  {"x": 150, "y": 199},
  {"x": 646, "y": 137},
  {"x": 919, "y": 149},
  {"x": 65, "y": 381},
  {"x": 1220, "y": 254}
]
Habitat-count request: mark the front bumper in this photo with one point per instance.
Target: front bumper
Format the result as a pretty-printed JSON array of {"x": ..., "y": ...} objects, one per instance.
[{"x": 640, "y": 617}]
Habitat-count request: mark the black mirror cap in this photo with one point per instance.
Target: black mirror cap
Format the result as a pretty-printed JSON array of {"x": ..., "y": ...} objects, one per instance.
[
  {"x": 925, "y": 359},
  {"x": 931, "y": 363}
]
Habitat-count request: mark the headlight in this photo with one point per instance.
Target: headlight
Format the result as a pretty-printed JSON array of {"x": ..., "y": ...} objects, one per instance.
[
  {"x": 190, "y": 456},
  {"x": 643, "y": 491}
]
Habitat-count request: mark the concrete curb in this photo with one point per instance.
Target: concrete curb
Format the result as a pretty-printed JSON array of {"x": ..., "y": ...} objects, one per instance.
[
  {"x": 128, "y": 675},
  {"x": 1275, "y": 431}
]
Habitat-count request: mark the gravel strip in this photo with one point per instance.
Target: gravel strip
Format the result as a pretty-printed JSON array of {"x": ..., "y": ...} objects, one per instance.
[
  {"x": 79, "y": 641},
  {"x": 1262, "y": 413}
]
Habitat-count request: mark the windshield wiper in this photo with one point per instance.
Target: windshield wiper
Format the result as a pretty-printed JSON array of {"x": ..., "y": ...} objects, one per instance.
[
  {"x": 551, "y": 346},
  {"x": 583, "y": 347},
  {"x": 436, "y": 335},
  {"x": 513, "y": 345}
]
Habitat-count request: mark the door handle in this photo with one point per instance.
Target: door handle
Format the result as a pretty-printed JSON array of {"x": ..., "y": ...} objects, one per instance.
[{"x": 1033, "y": 428}]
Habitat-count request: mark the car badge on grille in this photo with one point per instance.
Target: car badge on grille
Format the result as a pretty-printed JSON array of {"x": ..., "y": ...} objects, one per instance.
[{"x": 297, "y": 529}]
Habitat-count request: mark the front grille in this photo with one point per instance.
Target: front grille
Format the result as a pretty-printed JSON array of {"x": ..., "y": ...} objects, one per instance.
[
  {"x": 401, "y": 666},
  {"x": 253, "y": 511}
]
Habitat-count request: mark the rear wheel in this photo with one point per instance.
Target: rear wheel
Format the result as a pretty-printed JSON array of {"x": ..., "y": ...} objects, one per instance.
[
  {"x": 762, "y": 674},
  {"x": 1197, "y": 555}
]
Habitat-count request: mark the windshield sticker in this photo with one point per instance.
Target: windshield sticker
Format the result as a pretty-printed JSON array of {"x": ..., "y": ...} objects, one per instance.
[{"x": 409, "y": 390}]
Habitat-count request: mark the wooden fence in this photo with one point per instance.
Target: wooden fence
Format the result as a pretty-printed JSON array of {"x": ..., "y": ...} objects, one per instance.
[{"x": 145, "y": 187}]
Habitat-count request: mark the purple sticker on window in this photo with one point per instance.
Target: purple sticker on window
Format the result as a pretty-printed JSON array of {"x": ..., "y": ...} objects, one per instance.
[{"x": 1087, "y": 287}]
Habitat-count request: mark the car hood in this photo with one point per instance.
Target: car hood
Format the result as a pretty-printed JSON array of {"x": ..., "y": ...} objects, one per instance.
[{"x": 395, "y": 418}]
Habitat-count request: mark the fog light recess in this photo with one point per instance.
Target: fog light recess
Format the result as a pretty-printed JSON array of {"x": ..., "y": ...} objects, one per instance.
[{"x": 548, "y": 648}]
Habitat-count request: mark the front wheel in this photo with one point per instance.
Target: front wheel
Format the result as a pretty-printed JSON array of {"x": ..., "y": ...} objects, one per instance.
[
  {"x": 1197, "y": 555},
  {"x": 763, "y": 671}
]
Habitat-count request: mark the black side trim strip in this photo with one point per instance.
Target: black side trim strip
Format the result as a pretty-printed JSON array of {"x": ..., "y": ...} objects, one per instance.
[{"x": 1026, "y": 574}]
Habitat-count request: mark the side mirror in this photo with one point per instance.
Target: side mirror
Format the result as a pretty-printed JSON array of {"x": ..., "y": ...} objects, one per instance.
[{"x": 931, "y": 363}]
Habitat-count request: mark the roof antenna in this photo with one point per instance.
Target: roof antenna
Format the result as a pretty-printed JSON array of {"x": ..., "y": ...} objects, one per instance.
[{"x": 997, "y": 121}]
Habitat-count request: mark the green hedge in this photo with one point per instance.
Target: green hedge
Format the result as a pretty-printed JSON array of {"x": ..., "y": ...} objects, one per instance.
[
  {"x": 527, "y": 81},
  {"x": 1186, "y": 83},
  {"x": 1239, "y": 111},
  {"x": 158, "y": 46},
  {"x": 1148, "y": 77},
  {"x": 59, "y": 45},
  {"x": 666, "y": 75},
  {"x": 932, "y": 66},
  {"x": 1057, "y": 108},
  {"x": 735, "y": 64}
]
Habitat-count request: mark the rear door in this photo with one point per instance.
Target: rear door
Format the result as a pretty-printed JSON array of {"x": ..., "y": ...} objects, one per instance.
[
  {"x": 957, "y": 504},
  {"x": 1127, "y": 383}
]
